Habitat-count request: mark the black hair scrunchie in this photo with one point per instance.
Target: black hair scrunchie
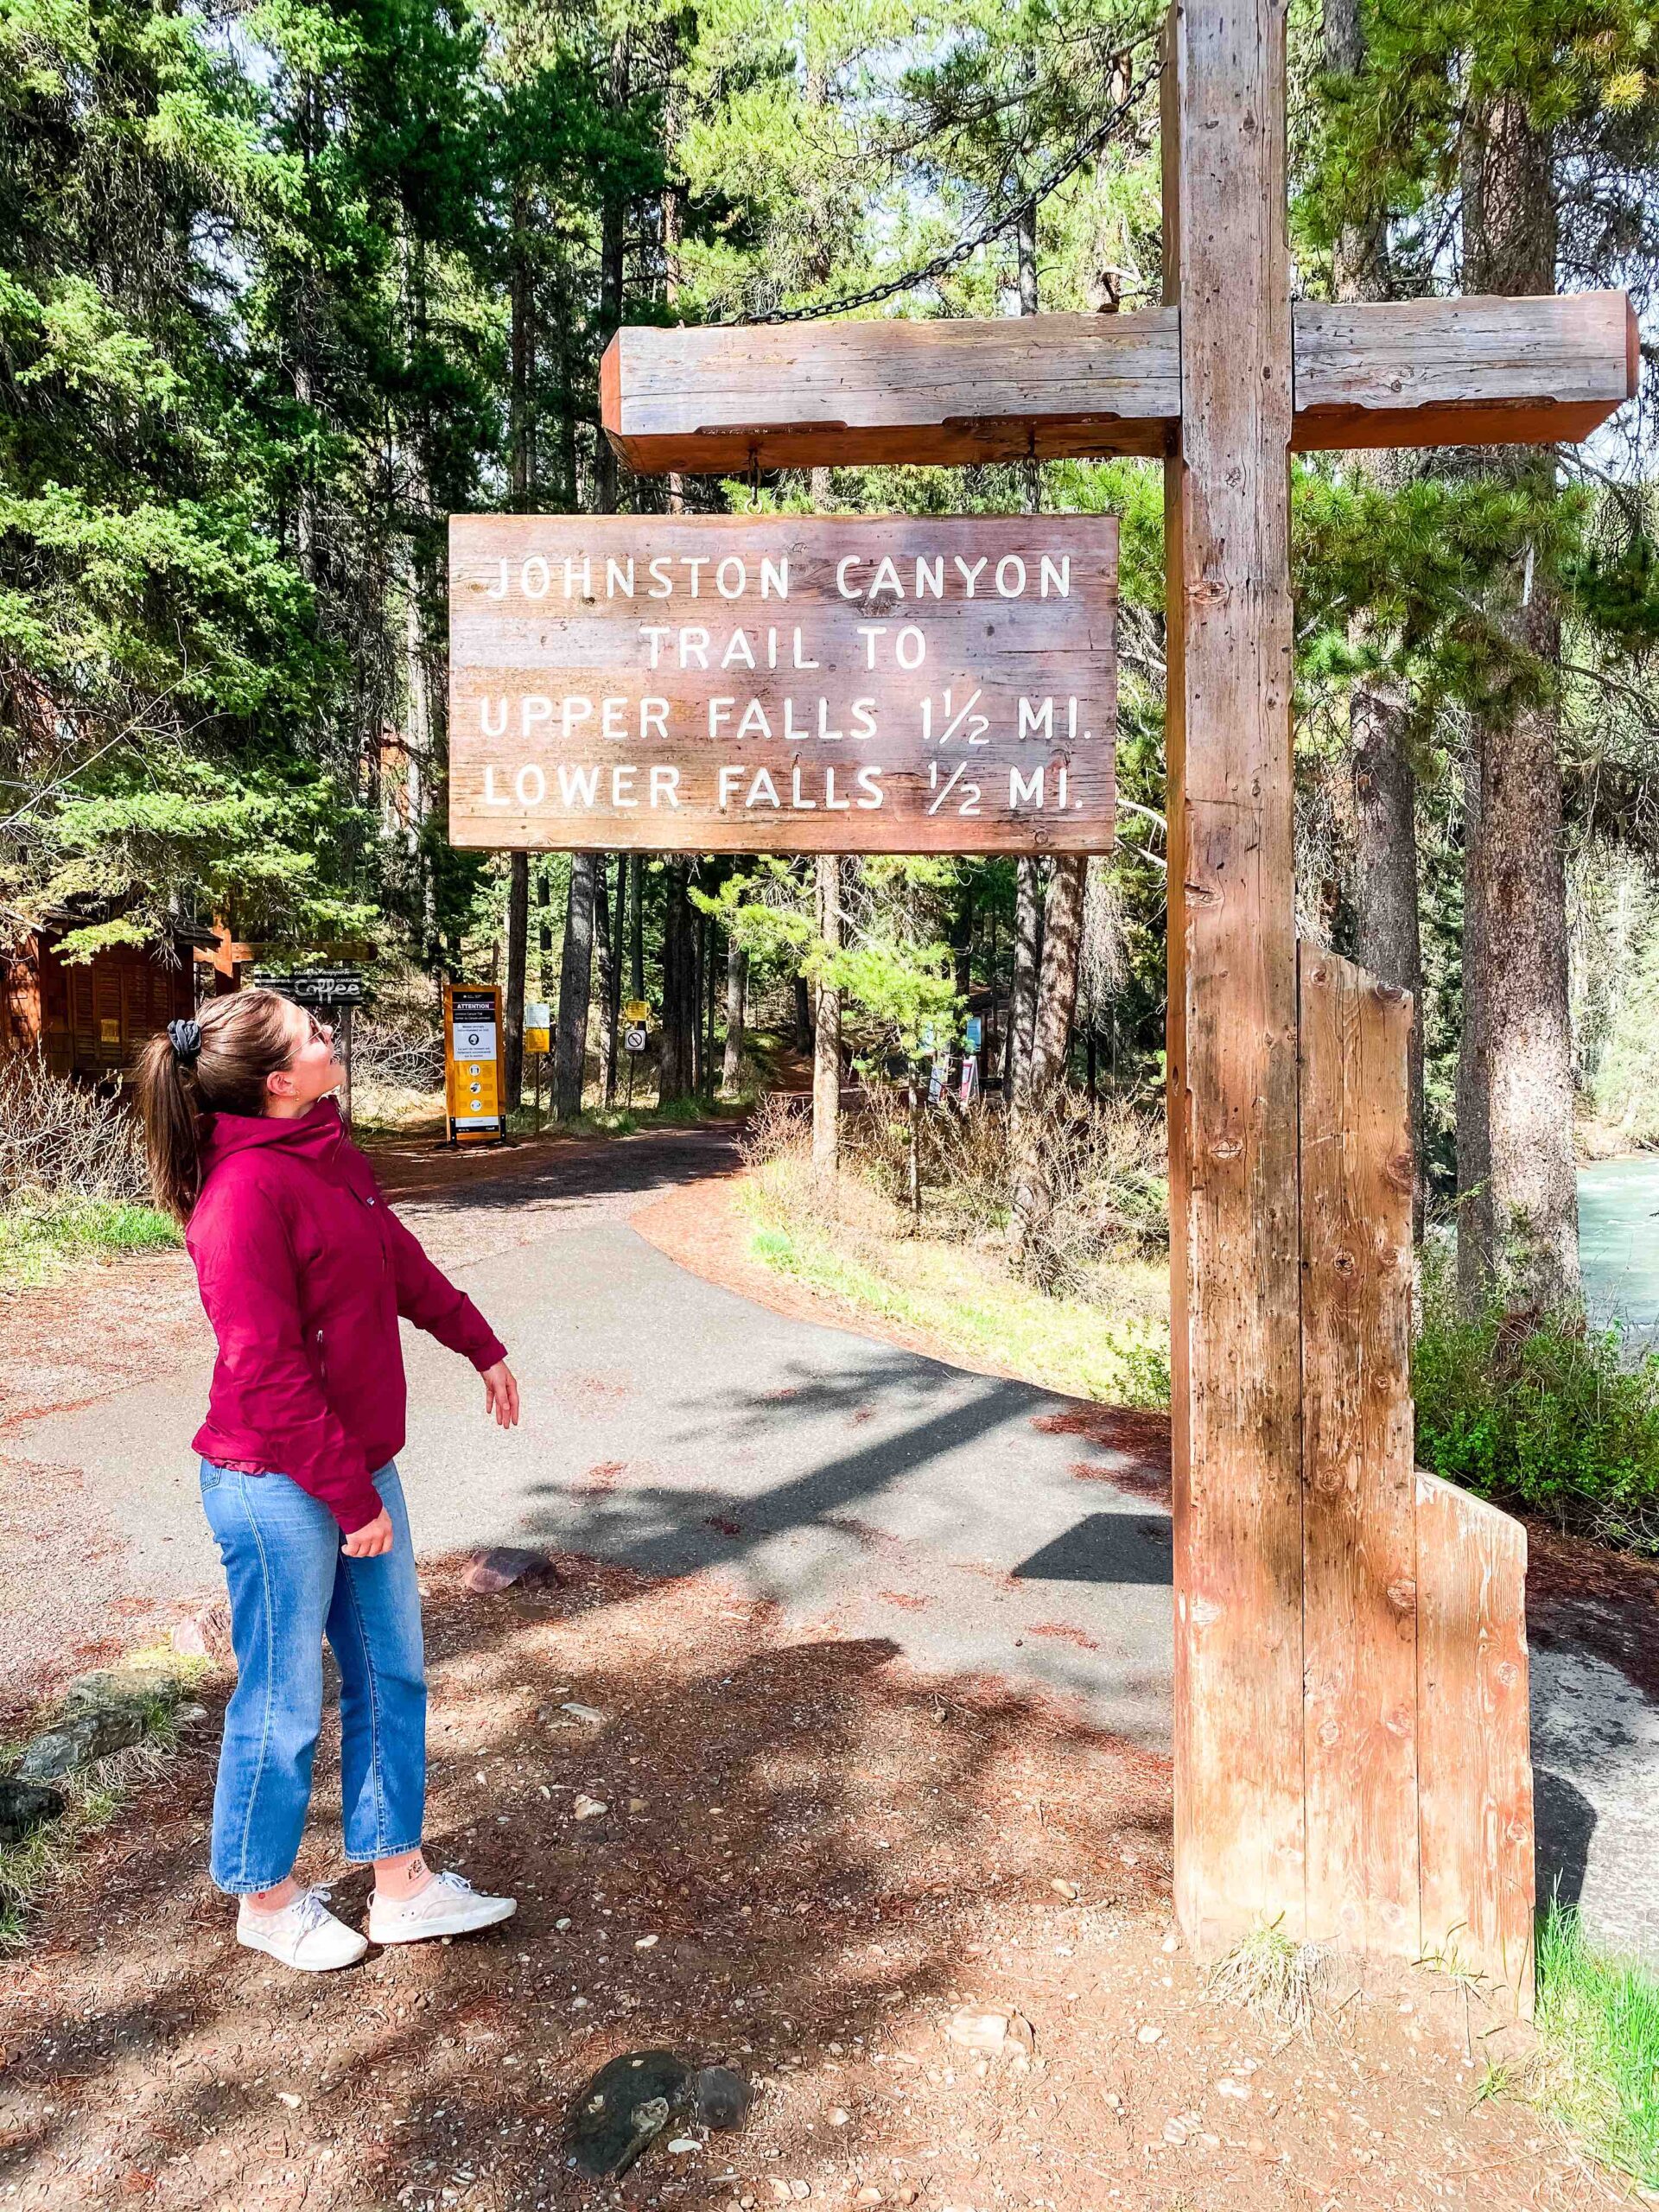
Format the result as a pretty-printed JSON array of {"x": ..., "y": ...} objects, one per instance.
[{"x": 186, "y": 1039}]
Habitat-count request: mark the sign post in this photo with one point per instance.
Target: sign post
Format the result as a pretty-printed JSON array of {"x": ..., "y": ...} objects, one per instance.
[
  {"x": 472, "y": 1031},
  {"x": 338, "y": 990},
  {"x": 1351, "y": 1702}
]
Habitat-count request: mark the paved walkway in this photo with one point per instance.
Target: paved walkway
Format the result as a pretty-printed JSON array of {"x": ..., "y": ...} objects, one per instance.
[{"x": 673, "y": 1425}]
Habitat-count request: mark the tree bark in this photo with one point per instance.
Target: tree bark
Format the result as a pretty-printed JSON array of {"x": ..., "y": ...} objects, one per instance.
[
  {"x": 1057, "y": 1004},
  {"x": 1514, "y": 874},
  {"x": 675, "y": 1074},
  {"x": 1022, "y": 989},
  {"x": 737, "y": 993},
  {"x": 826, "y": 1030},
  {"x": 612, "y": 248},
  {"x": 512, "y": 1008},
  {"x": 575, "y": 987},
  {"x": 604, "y": 952},
  {"x": 802, "y": 1016},
  {"x": 637, "y": 925},
  {"x": 613, "y": 989}
]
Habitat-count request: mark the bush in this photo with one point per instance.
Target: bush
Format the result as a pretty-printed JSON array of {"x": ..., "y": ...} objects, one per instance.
[
  {"x": 1558, "y": 1420},
  {"x": 59, "y": 1139}
]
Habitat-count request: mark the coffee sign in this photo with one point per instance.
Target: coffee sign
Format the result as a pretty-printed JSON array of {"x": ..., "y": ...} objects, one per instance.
[{"x": 783, "y": 683}]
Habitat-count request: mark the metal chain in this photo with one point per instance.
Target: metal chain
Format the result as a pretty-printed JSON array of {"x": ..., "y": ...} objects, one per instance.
[{"x": 954, "y": 255}]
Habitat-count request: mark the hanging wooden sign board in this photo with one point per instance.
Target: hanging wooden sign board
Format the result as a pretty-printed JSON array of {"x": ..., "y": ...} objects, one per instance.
[{"x": 783, "y": 683}]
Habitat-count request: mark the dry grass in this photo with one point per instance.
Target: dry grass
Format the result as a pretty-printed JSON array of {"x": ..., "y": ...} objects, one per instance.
[
  {"x": 1278, "y": 1982},
  {"x": 60, "y": 1139}
]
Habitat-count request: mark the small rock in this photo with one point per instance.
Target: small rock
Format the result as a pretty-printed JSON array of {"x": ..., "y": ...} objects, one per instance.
[
  {"x": 1064, "y": 1889},
  {"x": 781, "y": 2190},
  {"x": 1149, "y": 2034},
  {"x": 589, "y": 1715},
  {"x": 500, "y": 1566},
  {"x": 190, "y": 1716},
  {"x": 839, "y": 2116},
  {"x": 148, "y": 1684},
  {"x": 1233, "y": 2089},
  {"x": 623, "y": 2108},
  {"x": 80, "y": 1739},
  {"x": 869, "y": 2196},
  {"x": 720, "y": 2097},
  {"x": 635, "y": 1804},
  {"x": 287, "y": 2097},
  {"x": 992, "y": 2029},
  {"x": 1174, "y": 2131},
  {"x": 206, "y": 1634},
  {"x": 683, "y": 2144},
  {"x": 26, "y": 1805},
  {"x": 647, "y": 1943},
  {"x": 589, "y": 1808}
]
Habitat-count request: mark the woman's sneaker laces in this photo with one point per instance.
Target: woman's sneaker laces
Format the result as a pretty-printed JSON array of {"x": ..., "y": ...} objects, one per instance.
[
  {"x": 304, "y": 1933},
  {"x": 447, "y": 1905}
]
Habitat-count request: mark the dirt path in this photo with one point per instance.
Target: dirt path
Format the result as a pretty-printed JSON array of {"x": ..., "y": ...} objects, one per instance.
[{"x": 807, "y": 1855}]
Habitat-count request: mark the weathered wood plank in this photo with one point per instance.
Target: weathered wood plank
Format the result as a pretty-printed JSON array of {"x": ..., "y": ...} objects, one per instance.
[
  {"x": 1461, "y": 372},
  {"x": 1411, "y": 372},
  {"x": 1359, "y": 1600},
  {"x": 1474, "y": 1752},
  {"x": 1235, "y": 1247},
  {"x": 761, "y": 684}
]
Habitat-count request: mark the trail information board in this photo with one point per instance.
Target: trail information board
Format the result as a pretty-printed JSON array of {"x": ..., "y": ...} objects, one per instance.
[
  {"x": 472, "y": 1026},
  {"x": 783, "y": 683}
]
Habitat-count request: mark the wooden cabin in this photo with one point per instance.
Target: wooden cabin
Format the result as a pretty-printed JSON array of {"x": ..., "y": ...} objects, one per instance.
[{"x": 91, "y": 1016}]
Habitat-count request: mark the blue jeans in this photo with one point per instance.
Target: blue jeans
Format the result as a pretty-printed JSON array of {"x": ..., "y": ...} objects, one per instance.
[{"x": 291, "y": 1584}]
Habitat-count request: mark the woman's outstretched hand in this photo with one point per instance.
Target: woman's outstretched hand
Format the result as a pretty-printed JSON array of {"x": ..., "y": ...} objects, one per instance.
[
  {"x": 501, "y": 1395},
  {"x": 372, "y": 1539}
]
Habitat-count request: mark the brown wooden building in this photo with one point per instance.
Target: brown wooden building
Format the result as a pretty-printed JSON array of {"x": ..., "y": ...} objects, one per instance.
[{"x": 91, "y": 1016}]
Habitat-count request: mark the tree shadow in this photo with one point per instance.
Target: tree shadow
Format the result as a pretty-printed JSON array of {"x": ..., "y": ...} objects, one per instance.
[{"x": 818, "y": 1841}]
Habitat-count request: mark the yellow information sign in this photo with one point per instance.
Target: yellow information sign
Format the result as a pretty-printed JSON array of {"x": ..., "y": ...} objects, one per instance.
[
  {"x": 636, "y": 1010},
  {"x": 538, "y": 1027},
  {"x": 472, "y": 1031}
]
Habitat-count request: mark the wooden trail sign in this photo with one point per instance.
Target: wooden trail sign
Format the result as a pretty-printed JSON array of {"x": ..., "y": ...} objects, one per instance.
[
  {"x": 1351, "y": 1686},
  {"x": 679, "y": 684}
]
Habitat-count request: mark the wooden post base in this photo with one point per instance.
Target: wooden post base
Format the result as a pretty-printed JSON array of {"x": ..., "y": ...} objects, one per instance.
[{"x": 1416, "y": 1758}]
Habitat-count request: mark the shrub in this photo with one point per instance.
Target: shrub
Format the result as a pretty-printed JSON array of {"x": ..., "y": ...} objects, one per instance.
[
  {"x": 60, "y": 1139},
  {"x": 1559, "y": 1420}
]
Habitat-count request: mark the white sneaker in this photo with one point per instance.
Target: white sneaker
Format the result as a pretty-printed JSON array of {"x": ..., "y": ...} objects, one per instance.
[
  {"x": 303, "y": 1933},
  {"x": 447, "y": 1906}
]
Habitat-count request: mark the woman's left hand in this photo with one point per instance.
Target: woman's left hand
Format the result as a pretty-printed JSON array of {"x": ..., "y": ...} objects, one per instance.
[{"x": 501, "y": 1395}]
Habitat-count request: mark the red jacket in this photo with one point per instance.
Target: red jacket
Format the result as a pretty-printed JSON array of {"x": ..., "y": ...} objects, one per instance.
[{"x": 304, "y": 1269}]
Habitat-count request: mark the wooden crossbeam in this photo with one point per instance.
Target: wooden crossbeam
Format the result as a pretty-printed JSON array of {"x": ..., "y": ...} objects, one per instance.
[{"x": 1439, "y": 371}]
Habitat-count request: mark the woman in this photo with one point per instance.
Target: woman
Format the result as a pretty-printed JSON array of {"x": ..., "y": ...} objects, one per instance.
[{"x": 304, "y": 1271}]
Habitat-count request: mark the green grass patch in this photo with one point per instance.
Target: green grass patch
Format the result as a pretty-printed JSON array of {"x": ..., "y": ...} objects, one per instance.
[
  {"x": 1597, "y": 2023},
  {"x": 968, "y": 1301},
  {"x": 41, "y": 1236},
  {"x": 1559, "y": 1420}
]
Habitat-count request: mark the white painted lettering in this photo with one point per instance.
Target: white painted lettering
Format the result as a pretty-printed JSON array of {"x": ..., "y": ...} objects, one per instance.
[
  {"x": 587, "y": 575},
  {"x": 774, "y": 576},
  {"x": 654, "y": 636},
  {"x": 755, "y": 722},
  {"x": 618, "y": 578},
  {"x": 801, "y": 805},
  {"x": 622, "y": 786},
  {"x": 864, "y": 718},
  {"x": 841, "y": 566},
  {"x": 886, "y": 579},
  {"x": 870, "y": 781},
  {"x": 694, "y": 641},
  {"x": 577, "y": 787},
  {"x": 970, "y": 576},
  {"x": 533, "y": 709},
  {"x": 662, "y": 583},
  {"x": 1036, "y": 721},
  {"x": 1024, "y": 790},
  {"x": 664, "y": 786},
  {"x": 573, "y": 709},
  {"x": 1010, "y": 576},
  {"x": 729, "y": 779},
  {"x": 653, "y": 718},
  {"x": 530, "y": 784},
  {"x": 870, "y": 631},
  {"x": 799, "y": 661},
  {"x": 739, "y": 570},
  {"x": 832, "y": 804},
  {"x": 491, "y": 728},
  {"x": 910, "y": 646},
  {"x": 929, "y": 577},
  {"x": 1058, "y": 572},
  {"x": 720, "y": 710},
  {"x": 696, "y": 567},
  {"x": 491, "y": 796},
  {"x": 762, "y": 792},
  {"x": 533, "y": 579},
  {"x": 614, "y": 717},
  {"x": 500, "y": 591},
  {"x": 738, "y": 650}
]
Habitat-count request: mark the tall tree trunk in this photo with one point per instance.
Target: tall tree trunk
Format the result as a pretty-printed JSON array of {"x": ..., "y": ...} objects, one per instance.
[
  {"x": 675, "y": 1073},
  {"x": 637, "y": 925},
  {"x": 803, "y": 1015},
  {"x": 603, "y": 953},
  {"x": 512, "y": 1008},
  {"x": 737, "y": 993},
  {"x": 673, "y": 219},
  {"x": 613, "y": 984},
  {"x": 575, "y": 988},
  {"x": 1387, "y": 940},
  {"x": 1387, "y": 892},
  {"x": 699, "y": 961},
  {"x": 612, "y": 248},
  {"x": 1057, "y": 1005},
  {"x": 826, "y": 1032},
  {"x": 1514, "y": 873},
  {"x": 1022, "y": 986},
  {"x": 1025, "y": 237}
]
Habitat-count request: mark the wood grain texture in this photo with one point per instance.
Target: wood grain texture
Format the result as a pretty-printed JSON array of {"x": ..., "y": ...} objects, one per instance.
[
  {"x": 1359, "y": 1510},
  {"x": 1474, "y": 1753},
  {"x": 1235, "y": 1244},
  {"x": 705, "y": 684},
  {"x": 1399, "y": 372}
]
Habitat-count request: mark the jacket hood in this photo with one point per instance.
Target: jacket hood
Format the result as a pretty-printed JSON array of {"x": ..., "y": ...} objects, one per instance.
[{"x": 316, "y": 1134}]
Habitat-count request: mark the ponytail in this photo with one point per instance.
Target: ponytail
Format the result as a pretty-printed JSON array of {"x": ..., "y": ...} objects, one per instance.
[{"x": 194, "y": 1069}]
